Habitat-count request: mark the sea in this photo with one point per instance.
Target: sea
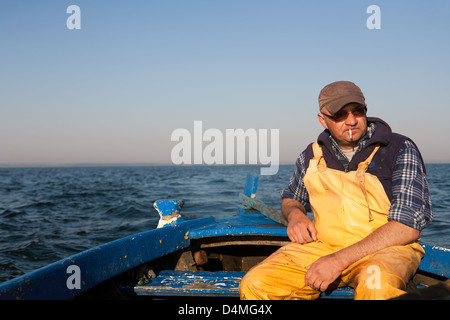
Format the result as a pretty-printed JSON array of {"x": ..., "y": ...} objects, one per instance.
[{"x": 50, "y": 213}]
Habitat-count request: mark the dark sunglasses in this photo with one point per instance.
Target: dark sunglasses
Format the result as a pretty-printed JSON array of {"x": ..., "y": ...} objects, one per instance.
[{"x": 342, "y": 115}]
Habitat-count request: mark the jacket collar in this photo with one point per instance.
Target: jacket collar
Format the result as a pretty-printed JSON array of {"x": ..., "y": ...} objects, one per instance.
[{"x": 380, "y": 134}]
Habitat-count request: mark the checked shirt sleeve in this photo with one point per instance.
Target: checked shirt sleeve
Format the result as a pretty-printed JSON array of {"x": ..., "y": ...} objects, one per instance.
[
  {"x": 296, "y": 188},
  {"x": 411, "y": 202}
]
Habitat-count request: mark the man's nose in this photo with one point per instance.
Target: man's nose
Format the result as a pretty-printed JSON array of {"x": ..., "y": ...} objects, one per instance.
[{"x": 351, "y": 119}]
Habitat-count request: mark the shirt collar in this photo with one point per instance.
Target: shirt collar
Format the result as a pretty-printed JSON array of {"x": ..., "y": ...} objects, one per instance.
[{"x": 362, "y": 142}]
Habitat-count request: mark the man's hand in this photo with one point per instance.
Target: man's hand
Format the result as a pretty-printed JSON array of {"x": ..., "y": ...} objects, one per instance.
[
  {"x": 323, "y": 272},
  {"x": 300, "y": 228}
]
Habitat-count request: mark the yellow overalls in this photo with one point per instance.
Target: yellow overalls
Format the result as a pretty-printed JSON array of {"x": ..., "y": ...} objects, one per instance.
[{"x": 347, "y": 206}]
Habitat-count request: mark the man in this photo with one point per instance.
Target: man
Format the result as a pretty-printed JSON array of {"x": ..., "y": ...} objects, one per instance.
[{"x": 367, "y": 189}]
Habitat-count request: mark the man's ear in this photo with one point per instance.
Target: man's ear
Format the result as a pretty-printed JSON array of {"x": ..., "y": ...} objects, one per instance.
[{"x": 322, "y": 120}]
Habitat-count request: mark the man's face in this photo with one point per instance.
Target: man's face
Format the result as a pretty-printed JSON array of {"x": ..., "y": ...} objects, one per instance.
[{"x": 351, "y": 117}]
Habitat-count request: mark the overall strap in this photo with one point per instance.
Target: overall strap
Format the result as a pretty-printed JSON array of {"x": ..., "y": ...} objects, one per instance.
[
  {"x": 318, "y": 160},
  {"x": 360, "y": 173}
]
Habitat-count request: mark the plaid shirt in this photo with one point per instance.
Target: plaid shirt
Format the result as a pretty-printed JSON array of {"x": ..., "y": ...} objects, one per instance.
[{"x": 410, "y": 203}]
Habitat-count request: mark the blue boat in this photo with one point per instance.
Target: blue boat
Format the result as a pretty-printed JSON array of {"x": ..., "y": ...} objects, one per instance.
[{"x": 192, "y": 258}]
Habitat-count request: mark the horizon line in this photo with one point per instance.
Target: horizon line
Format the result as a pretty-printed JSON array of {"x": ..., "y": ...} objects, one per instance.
[
  {"x": 147, "y": 164},
  {"x": 121, "y": 164}
]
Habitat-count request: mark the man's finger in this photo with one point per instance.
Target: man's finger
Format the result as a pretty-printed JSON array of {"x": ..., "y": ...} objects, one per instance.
[{"x": 312, "y": 231}]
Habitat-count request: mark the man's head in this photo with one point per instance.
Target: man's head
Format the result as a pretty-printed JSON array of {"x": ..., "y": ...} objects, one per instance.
[{"x": 343, "y": 112}]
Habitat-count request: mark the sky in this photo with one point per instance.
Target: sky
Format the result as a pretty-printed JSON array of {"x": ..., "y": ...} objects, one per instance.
[{"x": 115, "y": 90}]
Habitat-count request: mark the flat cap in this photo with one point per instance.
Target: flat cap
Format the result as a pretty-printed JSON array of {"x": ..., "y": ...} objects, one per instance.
[{"x": 336, "y": 95}]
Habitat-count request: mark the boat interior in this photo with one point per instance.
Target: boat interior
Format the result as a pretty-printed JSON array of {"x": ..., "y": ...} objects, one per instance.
[{"x": 210, "y": 267}]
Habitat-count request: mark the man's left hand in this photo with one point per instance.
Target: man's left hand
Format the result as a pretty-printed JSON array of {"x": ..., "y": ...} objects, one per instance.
[{"x": 323, "y": 272}]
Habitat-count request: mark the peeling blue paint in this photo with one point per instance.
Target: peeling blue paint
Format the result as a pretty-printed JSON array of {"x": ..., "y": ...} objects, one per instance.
[{"x": 169, "y": 211}]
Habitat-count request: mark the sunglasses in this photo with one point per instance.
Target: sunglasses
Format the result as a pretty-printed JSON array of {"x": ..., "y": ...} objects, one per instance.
[{"x": 342, "y": 115}]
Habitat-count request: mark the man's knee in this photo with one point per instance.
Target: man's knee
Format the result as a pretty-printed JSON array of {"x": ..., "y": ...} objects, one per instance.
[{"x": 376, "y": 283}]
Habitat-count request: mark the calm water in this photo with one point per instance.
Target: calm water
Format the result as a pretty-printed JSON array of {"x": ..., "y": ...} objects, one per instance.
[{"x": 47, "y": 214}]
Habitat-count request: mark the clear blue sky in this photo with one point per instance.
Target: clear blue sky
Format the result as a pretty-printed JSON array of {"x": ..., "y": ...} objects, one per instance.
[{"x": 114, "y": 91}]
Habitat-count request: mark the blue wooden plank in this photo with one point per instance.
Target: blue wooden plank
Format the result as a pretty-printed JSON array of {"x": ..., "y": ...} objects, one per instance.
[
  {"x": 192, "y": 283},
  {"x": 340, "y": 293},
  {"x": 251, "y": 186},
  {"x": 242, "y": 224},
  {"x": 257, "y": 204},
  {"x": 208, "y": 284},
  {"x": 436, "y": 260}
]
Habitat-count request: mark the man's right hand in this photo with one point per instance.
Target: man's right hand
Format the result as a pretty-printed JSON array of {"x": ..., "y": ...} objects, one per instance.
[{"x": 300, "y": 228}]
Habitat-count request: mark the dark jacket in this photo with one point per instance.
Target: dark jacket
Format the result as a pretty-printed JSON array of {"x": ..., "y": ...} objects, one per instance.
[{"x": 382, "y": 164}]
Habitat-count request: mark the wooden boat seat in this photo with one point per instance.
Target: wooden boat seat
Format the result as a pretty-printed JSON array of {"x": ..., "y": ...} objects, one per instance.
[
  {"x": 207, "y": 284},
  {"x": 192, "y": 283}
]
